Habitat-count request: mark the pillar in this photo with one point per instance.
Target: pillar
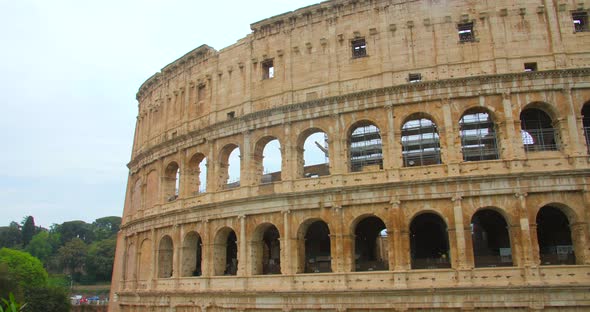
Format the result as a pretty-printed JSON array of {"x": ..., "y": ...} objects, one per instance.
[
  {"x": 458, "y": 224},
  {"x": 242, "y": 255},
  {"x": 288, "y": 261}
]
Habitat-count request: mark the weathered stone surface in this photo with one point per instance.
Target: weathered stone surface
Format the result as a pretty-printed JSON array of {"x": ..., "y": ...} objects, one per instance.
[{"x": 208, "y": 102}]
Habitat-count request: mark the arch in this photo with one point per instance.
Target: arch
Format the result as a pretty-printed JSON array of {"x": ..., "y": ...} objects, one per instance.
[
  {"x": 312, "y": 154},
  {"x": 429, "y": 242},
  {"x": 171, "y": 182},
  {"x": 266, "y": 250},
  {"x": 537, "y": 129},
  {"x": 478, "y": 135},
  {"x": 230, "y": 166},
  {"x": 491, "y": 239},
  {"x": 314, "y": 247},
  {"x": 268, "y": 159},
  {"x": 420, "y": 141},
  {"x": 130, "y": 269},
  {"x": 554, "y": 236},
  {"x": 145, "y": 260},
  {"x": 586, "y": 123},
  {"x": 225, "y": 253},
  {"x": 370, "y": 244},
  {"x": 192, "y": 255},
  {"x": 365, "y": 147},
  {"x": 197, "y": 174},
  {"x": 165, "y": 257}
]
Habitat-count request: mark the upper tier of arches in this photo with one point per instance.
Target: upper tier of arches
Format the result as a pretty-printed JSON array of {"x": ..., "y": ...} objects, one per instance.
[{"x": 371, "y": 142}]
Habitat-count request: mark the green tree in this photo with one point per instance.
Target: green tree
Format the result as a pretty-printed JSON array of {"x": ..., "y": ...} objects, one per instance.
[
  {"x": 101, "y": 256},
  {"x": 7, "y": 284},
  {"x": 74, "y": 229},
  {"x": 23, "y": 268},
  {"x": 10, "y": 236},
  {"x": 106, "y": 227},
  {"x": 72, "y": 256},
  {"x": 43, "y": 245},
  {"x": 47, "y": 299},
  {"x": 28, "y": 230}
]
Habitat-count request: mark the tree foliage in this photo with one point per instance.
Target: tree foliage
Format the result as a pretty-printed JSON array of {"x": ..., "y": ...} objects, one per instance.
[
  {"x": 43, "y": 245},
  {"x": 106, "y": 227},
  {"x": 28, "y": 230},
  {"x": 10, "y": 236},
  {"x": 99, "y": 262},
  {"x": 27, "y": 270},
  {"x": 72, "y": 255},
  {"x": 74, "y": 229},
  {"x": 48, "y": 299}
]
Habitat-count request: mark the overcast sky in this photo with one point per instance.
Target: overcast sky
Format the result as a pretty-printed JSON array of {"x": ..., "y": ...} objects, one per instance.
[{"x": 69, "y": 72}]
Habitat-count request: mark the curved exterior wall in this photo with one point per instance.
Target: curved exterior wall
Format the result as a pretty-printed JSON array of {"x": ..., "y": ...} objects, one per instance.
[{"x": 209, "y": 101}]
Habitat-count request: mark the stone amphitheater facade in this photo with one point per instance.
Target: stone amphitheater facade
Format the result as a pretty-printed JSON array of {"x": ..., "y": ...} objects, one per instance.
[{"x": 456, "y": 171}]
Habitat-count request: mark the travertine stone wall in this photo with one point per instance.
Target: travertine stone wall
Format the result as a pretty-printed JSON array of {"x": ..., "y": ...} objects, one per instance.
[{"x": 208, "y": 102}]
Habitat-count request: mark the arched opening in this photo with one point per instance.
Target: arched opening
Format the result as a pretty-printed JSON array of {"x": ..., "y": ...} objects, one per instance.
[
  {"x": 554, "y": 237},
  {"x": 266, "y": 250},
  {"x": 370, "y": 245},
  {"x": 478, "y": 136},
  {"x": 312, "y": 154},
  {"x": 171, "y": 182},
  {"x": 537, "y": 131},
  {"x": 586, "y": 123},
  {"x": 165, "y": 257},
  {"x": 197, "y": 174},
  {"x": 365, "y": 147},
  {"x": 491, "y": 240},
  {"x": 226, "y": 252},
  {"x": 268, "y": 160},
  {"x": 192, "y": 255},
  {"x": 420, "y": 142},
  {"x": 429, "y": 242},
  {"x": 317, "y": 248},
  {"x": 230, "y": 167},
  {"x": 145, "y": 260}
]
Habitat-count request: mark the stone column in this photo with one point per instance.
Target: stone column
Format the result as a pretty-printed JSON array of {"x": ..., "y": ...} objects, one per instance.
[
  {"x": 526, "y": 233},
  {"x": 154, "y": 265},
  {"x": 580, "y": 242},
  {"x": 397, "y": 261},
  {"x": 461, "y": 260},
  {"x": 337, "y": 149},
  {"x": 511, "y": 142},
  {"x": 247, "y": 172},
  {"x": 575, "y": 146},
  {"x": 242, "y": 255},
  {"x": 450, "y": 148},
  {"x": 337, "y": 252},
  {"x": 288, "y": 154},
  {"x": 554, "y": 28},
  {"x": 177, "y": 252},
  {"x": 206, "y": 250},
  {"x": 287, "y": 266}
]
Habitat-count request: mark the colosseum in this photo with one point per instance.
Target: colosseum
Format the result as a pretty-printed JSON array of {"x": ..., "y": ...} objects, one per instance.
[{"x": 367, "y": 155}]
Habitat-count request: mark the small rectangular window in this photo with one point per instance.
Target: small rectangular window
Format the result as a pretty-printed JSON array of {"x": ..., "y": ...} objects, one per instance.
[
  {"x": 359, "y": 48},
  {"x": 268, "y": 69},
  {"x": 415, "y": 77},
  {"x": 231, "y": 115},
  {"x": 530, "y": 67},
  {"x": 580, "y": 21},
  {"x": 465, "y": 31}
]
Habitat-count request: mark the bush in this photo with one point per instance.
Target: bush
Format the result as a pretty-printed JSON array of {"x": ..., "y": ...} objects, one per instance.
[{"x": 47, "y": 299}]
